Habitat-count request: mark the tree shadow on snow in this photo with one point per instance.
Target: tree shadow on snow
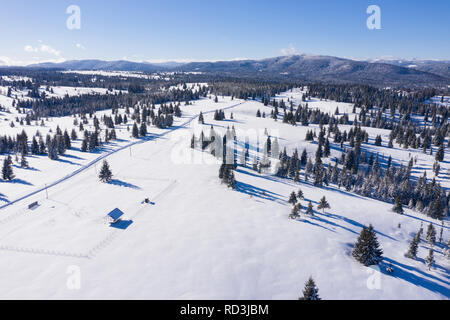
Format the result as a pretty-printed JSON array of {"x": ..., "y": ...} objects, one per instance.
[
  {"x": 267, "y": 177},
  {"x": 68, "y": 162},
  {"x": 20, "y": 181},
  {"x": 27, "y": 168},
  {"x": 120, "y": 183},
  {"x": 257, "y": 192},
  {"x": 307, "y": 221},
  {"x": 405, "y": 272},
  {"x": 3, "y": 198},
  {"x": 349, "y": 221}
]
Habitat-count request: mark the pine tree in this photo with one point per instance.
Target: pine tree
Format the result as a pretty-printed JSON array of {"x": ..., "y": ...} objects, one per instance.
[
  {"x": 378, "y": 141},
  {"x": 436, "y": 210},
  {"x": 201, "y": 120},
  {"x": 232, "y": 181},
  {"x": 143, "y": 129},
  {"x": 34, "y": 146},
  {"x": 193, "y": 142},
  {"x": 398, "y": 207},
  {"x": 7, "y": 171},
  {"x": 311, "y": 292},
  {"x": 323, "y": 204},
  {"x": 73, "y": 135},
  {"x": 66, "y": 141},
  {"x": 310, "y": 209},
  {"x": 297, "y": 176},
  {"x": 292, "y": 198},
  {"x": 431, "y": 234},
  {"x": 105, "y": 173},
  {"x": 430, "y": 259},
  {"x": 84, "y": 144},
  {"x": 326, "y": 149},
  {"x": 447, "y": 250},
  {"x": 295, "y": 213},
  {"x": 440, "y": 153},
  {"x": 135, "y": 131},
  {"x": 300, "y": 195},
  {"x": 413, "y": 247},
  {"x": 367, "y": 249},
  {"x": 23, "y": 161}
]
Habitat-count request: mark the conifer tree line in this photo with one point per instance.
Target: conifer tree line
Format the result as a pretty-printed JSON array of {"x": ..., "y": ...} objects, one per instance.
[
  {"x": 56, "y": 144},
  {"x": 358, "y": 171}
]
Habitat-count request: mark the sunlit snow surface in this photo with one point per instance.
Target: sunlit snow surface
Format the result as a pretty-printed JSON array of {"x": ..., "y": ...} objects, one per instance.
[{"x": 198, "y": 239}]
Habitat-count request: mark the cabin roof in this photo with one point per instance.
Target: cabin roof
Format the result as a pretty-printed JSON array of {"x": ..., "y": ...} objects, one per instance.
[{"x": 115, "y": 214}]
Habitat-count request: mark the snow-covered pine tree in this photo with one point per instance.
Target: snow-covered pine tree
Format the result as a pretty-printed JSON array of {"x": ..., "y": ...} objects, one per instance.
[
  {"x": 367, "y": 249},
  {"x": 7, "y": 170},
  {"x": 429, "y": 260},
  {"x": 300, "y": 195},
  {"x": 413, "y": 246},
  {"x": 34, "y": 146},
  {"x": 398, "y": 207},
  {"x": 310, "y": 209},
  {"x": 201, "y": 120},
  {"x": 311, "y": 292},
  {"x": 431, "y": 234},
  {"x": 447, "y": 250},
  {"x": 105, "y": 173},
  {"x": 232, "y": 181},
  {"x": 23, "y": 161},
  {"x": 440, "y": 153},
  {"x": 135, "y": 131},
  {"x": 323, "y": 204},
  {"x": 295, "y": 213},
  {"x": 297, "y": 176},
  {"x": 292, "y": 198},
  {"x": 436, "y": 210},
  {"x": 143, "y": 129}
]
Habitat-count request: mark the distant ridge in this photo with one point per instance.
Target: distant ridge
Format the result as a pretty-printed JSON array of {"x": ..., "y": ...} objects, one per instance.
[{"x": 297, "y": 67}]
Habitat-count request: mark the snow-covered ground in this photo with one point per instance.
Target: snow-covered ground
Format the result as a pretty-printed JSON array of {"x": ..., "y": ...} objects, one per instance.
[
  {"x": 50, "y": 92},
  {"x": 440, "y": 101},
  {"x": 200, "y": 240}
]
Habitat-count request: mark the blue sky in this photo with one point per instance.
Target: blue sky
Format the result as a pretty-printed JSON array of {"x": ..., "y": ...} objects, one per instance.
[{"x": 164, "y": 30}]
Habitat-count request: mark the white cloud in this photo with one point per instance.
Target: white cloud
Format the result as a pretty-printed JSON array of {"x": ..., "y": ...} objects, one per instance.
[
  {"x": 80, "y": 46},
  {"x": 7, "y": 61},
  {"x": 42, "y": 48},
  {"x": 289, "y": 51},
  {"x": 31, "y": 49}
]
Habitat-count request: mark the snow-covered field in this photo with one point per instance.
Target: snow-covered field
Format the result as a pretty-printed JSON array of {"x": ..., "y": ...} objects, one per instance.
[
  {"x": 440, "y": 101},
  {"x": 198, "y": 239}
]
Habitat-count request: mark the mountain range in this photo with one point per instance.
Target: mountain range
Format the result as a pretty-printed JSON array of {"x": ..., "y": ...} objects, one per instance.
[{"x": 295, "y": 67}]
